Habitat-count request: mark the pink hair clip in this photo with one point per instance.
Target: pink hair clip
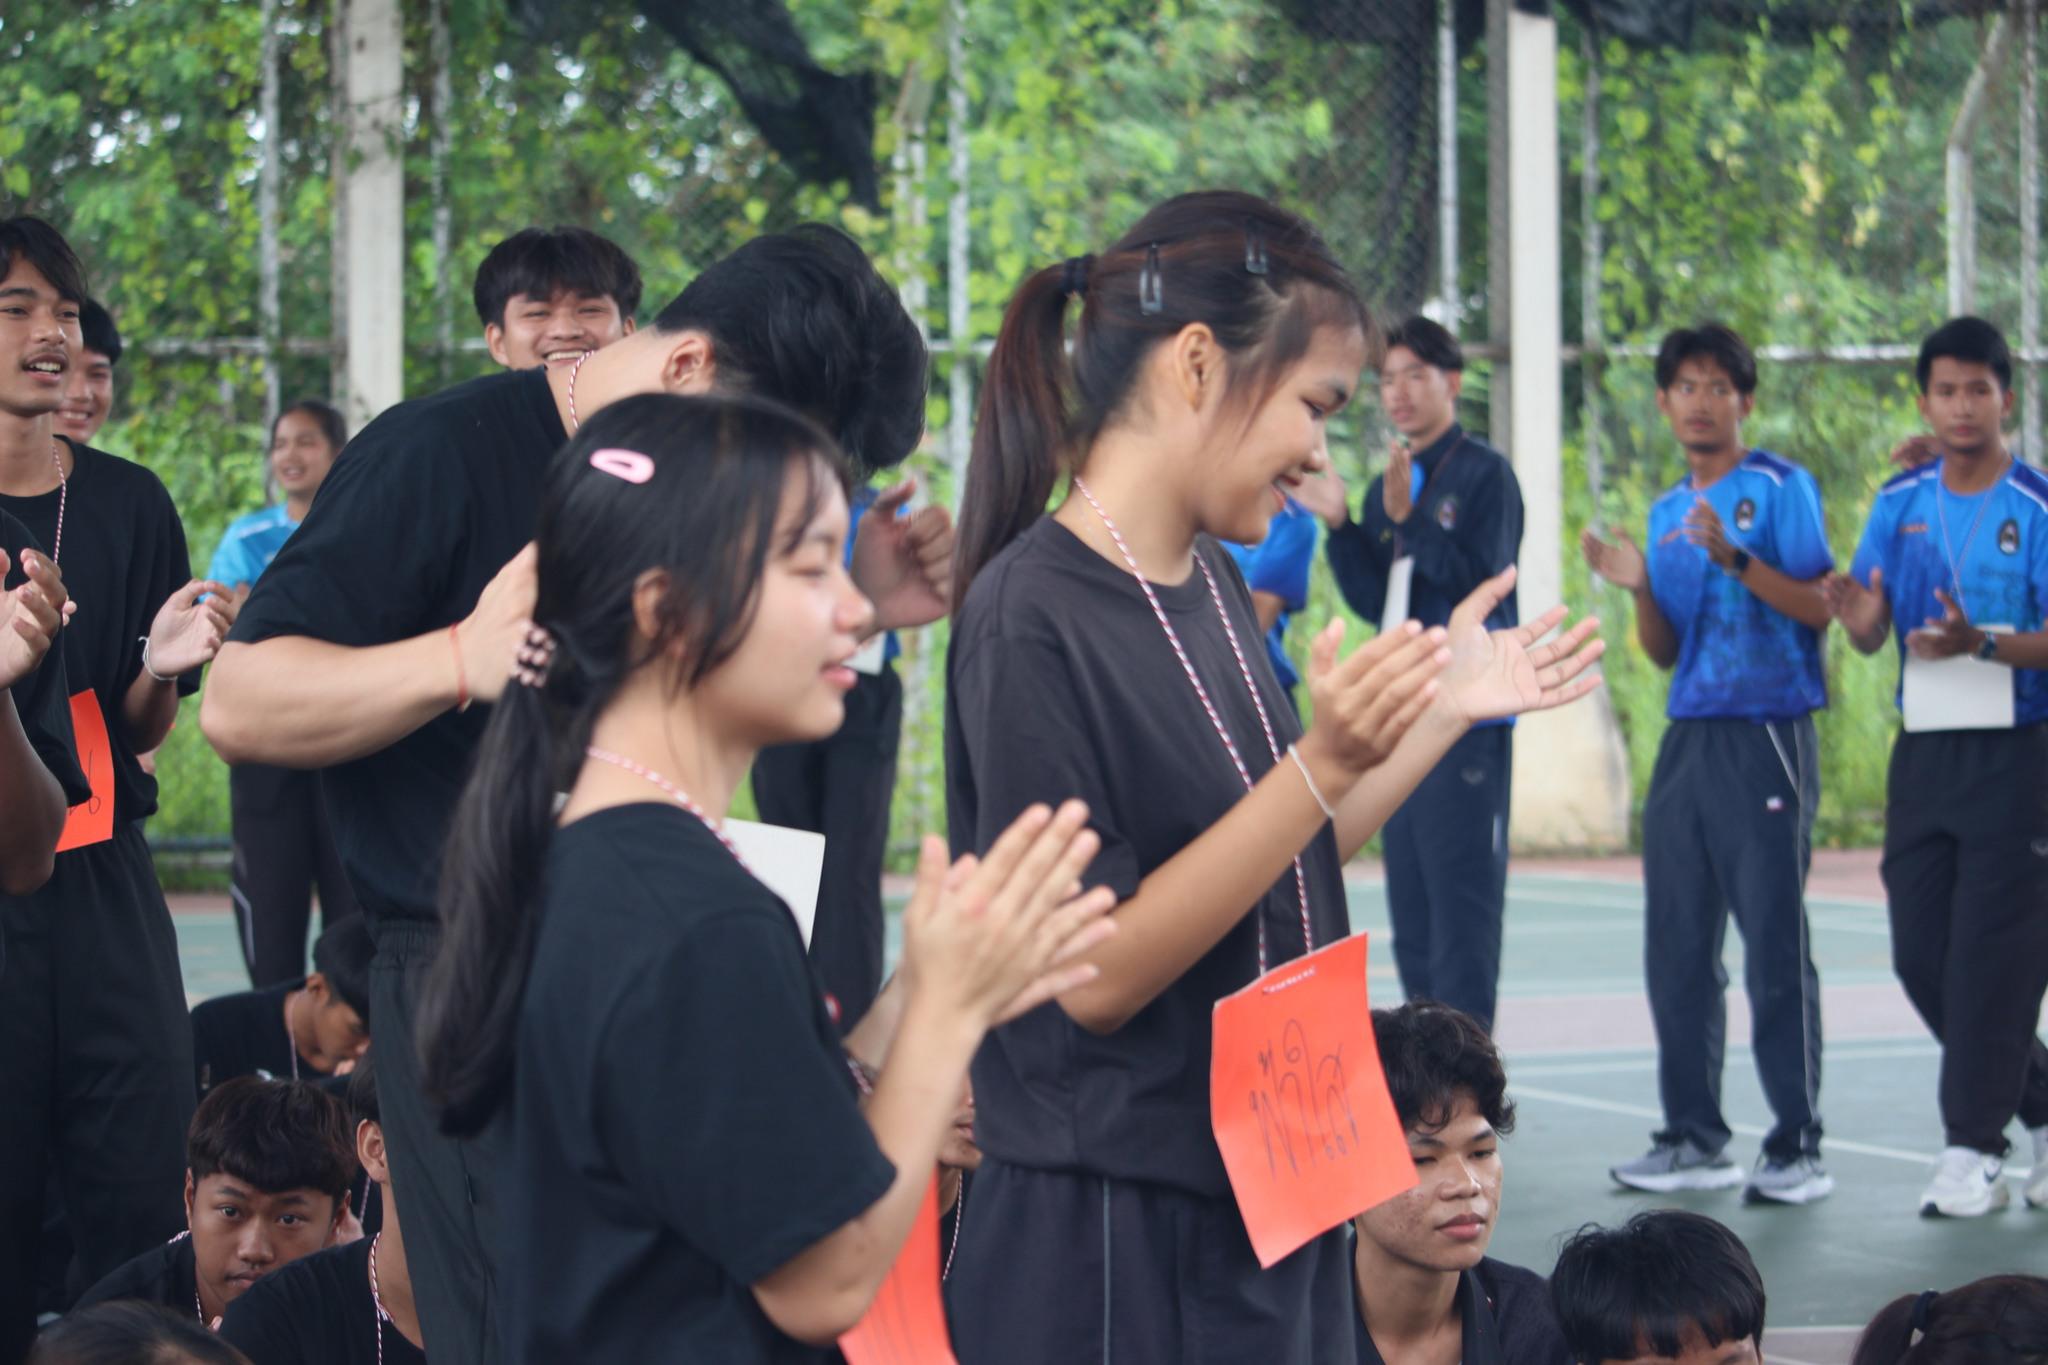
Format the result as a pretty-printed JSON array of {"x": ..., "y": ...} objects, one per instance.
[{"x": 629, "y": 465}]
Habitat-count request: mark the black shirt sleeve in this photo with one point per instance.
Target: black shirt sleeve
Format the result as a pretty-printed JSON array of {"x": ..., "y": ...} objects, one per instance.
[
  {"x": 1360, "y": 557},
  {"x": 42, "y": 700},
  {"x": 726, "y": 1102},
  {"x": 376, "y": 551},
  {"x": 1023, "y": 722}
]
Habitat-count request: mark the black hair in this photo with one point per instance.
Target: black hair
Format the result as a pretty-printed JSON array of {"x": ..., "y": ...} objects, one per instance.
[
  {"x": 1431, "y": 342},
  {"x": 802, "y": 318},
  {"x": 131, "y": 1332},
  {"x": 42, "y": 246},
  {"x": 1970, "y": 340},
  {"x": 96, "y": 324},
  {"x": 275, "y": 1135},
  {"x": 1650, "y": 1283},
  {"x": 1998, "y": 1320},
  {"x": 542, "y": 262},
  {"x": 362, "y": 1090},
  {"x": 342, "y": 955},
  {"x": 705, "y": 514},
  {"x": 1432, "y": 1054},
  {"x": 1260, "y": 277},
  {"x": 325, "y": 416},
  {"x": 1712, "y": 341}
]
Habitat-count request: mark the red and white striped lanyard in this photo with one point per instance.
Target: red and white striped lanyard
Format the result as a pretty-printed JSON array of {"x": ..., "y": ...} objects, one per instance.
[
  {"x": 676, "y": 794},
  {"x": 1202, "y": 694}
]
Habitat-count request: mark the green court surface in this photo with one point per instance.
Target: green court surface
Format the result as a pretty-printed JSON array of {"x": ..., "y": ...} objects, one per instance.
[{"x": 1581, "y": 1068}]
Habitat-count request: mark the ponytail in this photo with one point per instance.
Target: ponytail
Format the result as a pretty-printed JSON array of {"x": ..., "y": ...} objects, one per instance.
[
  {"x": 1021, "y": 429},
  {"x": 1260, "y": 278}
]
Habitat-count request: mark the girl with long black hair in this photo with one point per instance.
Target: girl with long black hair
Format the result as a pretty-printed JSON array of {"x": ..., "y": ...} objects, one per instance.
[
  {"x": 692, "y": 1177},
  {"x": 1110, "y": 652}
]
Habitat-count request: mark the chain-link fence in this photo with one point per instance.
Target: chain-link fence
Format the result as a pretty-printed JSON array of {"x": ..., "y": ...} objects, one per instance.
[{"x": 1830, "y": 178}]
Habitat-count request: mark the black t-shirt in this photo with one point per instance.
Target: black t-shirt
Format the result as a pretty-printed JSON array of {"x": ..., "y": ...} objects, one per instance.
[
  {"x": 123, "y": 556},
  {"x": 1061, "y": 684},
  {"x": 316, "y": 1311},
  {"x": 425, "y": 505},
  {"x": 683, "y": 1121},
  {"x": 1507, "y": 1316},
  {"x": 42, "y": 699},
  {"x": 166, "y": 1275},
  {"x": 243, "y": 1035}
]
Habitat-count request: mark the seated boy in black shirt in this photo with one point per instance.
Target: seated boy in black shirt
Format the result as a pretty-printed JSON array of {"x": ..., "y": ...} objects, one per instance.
[
  {"x": 1668, "y": 1286},
  {"x": 306, "y": 1027},
  {"x": 267, "y": 1183},
  {"x": 350, "y": 1305},
  {"x": 1426, "y": 1288}
]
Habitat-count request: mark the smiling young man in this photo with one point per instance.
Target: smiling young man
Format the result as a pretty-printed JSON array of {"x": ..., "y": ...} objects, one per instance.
[
  {"x": 1428, "y": 1294},
  {"x": 269, "y": 1167},
  {"x": 1450, "y": 506},
  {"x": 1729, "y": 598},
  {"x": 1954, "y": 564},
  {"x": 92, "y": 1010},
  {"x": 1668, "y": 1287},
  {"x": 89, "y": 390},
  {"x": 546, "y": 296}
]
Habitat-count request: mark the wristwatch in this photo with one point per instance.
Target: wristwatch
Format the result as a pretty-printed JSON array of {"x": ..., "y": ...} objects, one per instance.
[
  {"x": 1988, "y": 650},
  {"x": 1739, "y": 565}
]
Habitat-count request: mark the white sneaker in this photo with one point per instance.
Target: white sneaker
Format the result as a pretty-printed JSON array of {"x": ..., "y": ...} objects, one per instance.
[
  {"x": 1967, "y": 1184},
  {"x": 1800, "y": 1180},
  {"x": 2037, "y": 1183}
]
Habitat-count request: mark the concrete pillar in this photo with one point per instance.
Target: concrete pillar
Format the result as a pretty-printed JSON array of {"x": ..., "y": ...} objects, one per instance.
[{"x": 374, "y": 206}]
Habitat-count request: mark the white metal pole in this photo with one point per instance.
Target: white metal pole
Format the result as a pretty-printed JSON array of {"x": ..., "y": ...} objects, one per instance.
[
  {"x": 375, "y": 208},
  {"x": 960, "y": 392},
  {"x": 1447, "y": 161}
]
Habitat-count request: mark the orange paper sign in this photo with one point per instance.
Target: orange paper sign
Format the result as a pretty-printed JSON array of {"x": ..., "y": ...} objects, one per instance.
[
  {"x": 906, "y": 1324},
  {"x": 91, "y": 821},
  {"x": 1299, "y": 1103}
]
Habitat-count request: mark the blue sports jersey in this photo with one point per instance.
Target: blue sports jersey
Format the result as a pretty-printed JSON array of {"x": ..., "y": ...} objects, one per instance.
[
  {"x": 250, "y": 544},
  {"x": 1279, "y": 565},
  {"x": 864, "y": 498},
  {"x": 1739, "y": 658},
  {"x": 1996, "y": 544}
]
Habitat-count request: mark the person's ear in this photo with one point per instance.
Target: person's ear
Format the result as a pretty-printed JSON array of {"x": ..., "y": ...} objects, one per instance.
[
  {"x": 2005, "y": 409},
  {"x": 650, "y": 591},
  {"x": 370, "y": 1151},
  {"x": 316, "y": 986},
  {"x": 1454, "y": 380},
  {"x": 1748, "y": 406},
  {"x": 1197, "y": 365},
  {"x": 626, "y": 325},
  {"x": 191, "y": 1196},
  {"x": 494, "y": 341},
  {"x": 1926, "y": 414},
  {"x": 688, "y": 364}
]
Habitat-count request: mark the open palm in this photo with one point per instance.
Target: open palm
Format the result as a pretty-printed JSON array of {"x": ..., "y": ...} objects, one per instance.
[{"x": 1496, "y": 673}]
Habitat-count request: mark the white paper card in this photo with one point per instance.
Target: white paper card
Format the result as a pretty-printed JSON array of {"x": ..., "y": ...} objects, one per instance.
[
  {"x": 1960, "y": 693},
  {"x": 789, "y": 862},
  {"x": 869, "y": 657},
  {"x": 1399, "y": 579}
]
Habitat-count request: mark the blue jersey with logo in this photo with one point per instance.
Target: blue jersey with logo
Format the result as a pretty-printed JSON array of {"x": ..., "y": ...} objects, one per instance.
[
  {"x": 1279, "y": 565},
  {"x": 1987, "y": 551},
  {"x": 250, "y": 544},
  {"x": 1739, "y": 658}
]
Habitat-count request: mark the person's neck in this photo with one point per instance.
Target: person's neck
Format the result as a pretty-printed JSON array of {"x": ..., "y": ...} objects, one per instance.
[
  {"x": 296, "y": 505},
  {"x": 394, "y": 1278},
  {"x": 210, "y": 1306},
  {"x": 1420, "y": 441},
  {"x": 666, "y": 734},
  {"x": 1974, "y": 471},
  {"x": 26, "y": 445},
  {"x": 1122, "y": 473},
  {"x": 294, "y": 1031},
  {"x": 599, "y": 380},
  {"x": 1405, "y": 1305},
  {"x": 1709, "y": 467}
]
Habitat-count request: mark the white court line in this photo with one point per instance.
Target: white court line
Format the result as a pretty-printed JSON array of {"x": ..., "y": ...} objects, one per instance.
[
  {"x": 1648, "y": 1061},
  {"x": 1833, "y": 1144}
]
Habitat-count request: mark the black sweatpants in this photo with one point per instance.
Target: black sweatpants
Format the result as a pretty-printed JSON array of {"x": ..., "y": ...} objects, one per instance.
[
  {"x": 1966, "y": 880},
  {"x": 1070, "y": 1267},
  {"x": 445, "y": 1189},
  {"x": 841, "y": 787},
  {"x": 95, "y": 1071},
  {"x": 1446, "y": 852},
  {"x": 283, "y": 847},
  {"x": 1728, "y": 825}
]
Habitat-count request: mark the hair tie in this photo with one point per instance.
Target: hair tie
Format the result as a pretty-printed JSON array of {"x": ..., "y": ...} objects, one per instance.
[
  {"x": 1074, "y": 275},
  {"x": 629, "y": 465},
  {"x": 1923, "y": 1308},
  {"x": 1152, "y": 284},
  {"x": 535, "y": 658}
]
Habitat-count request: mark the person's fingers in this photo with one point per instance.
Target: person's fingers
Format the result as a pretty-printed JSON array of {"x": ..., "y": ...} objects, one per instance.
[
  {"x": 1479, "y": 604},
  {"x": 886, "y": 503},
  {"x": 1001, "y": 860},
  {"x": 1573, "y": 664},
  {"x": 1322, "y": 650},
  {"x": 1041, "y": 862},
  {"x": 1385, "y": 657},
  {"x": 1542, "y": 655},
  {"x": 1529, "y": 632},
  {"x": 1877, "y": 580},
  {"x": 1391, "y": 691},
  {"x": 1053, "y": 984},
  {"x": 932, "y": 877},
  {"x": 1567, "y": 694}
]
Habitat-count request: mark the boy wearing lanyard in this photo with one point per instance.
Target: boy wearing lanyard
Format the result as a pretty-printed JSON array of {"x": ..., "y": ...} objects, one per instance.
[
  {"x": 1954, "y": 565},
  {"x": 1450, "y": 504},
  {"x": 1729, "y": 598}
]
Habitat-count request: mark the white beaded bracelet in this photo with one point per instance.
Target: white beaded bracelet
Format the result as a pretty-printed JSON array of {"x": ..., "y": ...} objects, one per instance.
[
  {"x": 145, "y": 663},
  {"x": 1313, "y": 790}
]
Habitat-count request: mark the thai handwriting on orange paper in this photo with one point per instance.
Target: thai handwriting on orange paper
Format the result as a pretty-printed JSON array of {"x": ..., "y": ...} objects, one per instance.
[{"x": 1303, "y": 1112}]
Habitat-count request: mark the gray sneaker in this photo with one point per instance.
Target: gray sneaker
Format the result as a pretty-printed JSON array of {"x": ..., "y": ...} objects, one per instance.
[
  {"x": 1801, "y": 1180},
  {"x": 1677, "y": 1164}
]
